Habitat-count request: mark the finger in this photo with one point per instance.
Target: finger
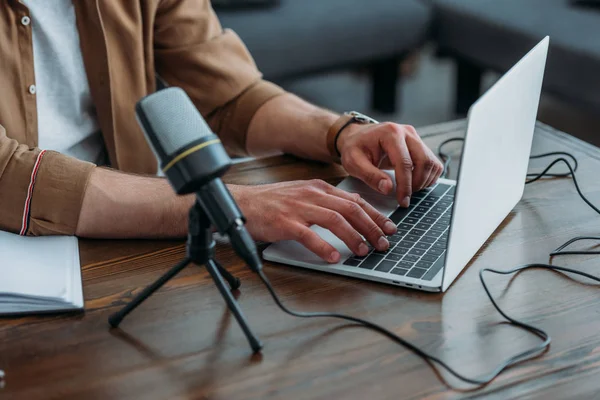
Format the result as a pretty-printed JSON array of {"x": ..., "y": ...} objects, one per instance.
[
  {"x": 359, "y": 219},
  {"x": 431, "y": 177},
  {"x": 395, "y": 146},
  {"x": 313, "y": 242},
  {"x": 424, "y": 168},
  {"x": 360, "y": 166},
  {"x": 340, "y": 227},
  {"x": 436, "y": 173},
  {"x": 386, "y": 224}
]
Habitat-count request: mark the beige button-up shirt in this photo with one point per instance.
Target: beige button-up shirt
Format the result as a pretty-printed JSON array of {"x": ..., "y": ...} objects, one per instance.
[{"x": 125, "y": 45}]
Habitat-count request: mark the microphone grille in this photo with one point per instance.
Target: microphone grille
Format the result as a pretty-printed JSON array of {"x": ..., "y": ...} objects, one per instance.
[{"x": 173, "y": 118}]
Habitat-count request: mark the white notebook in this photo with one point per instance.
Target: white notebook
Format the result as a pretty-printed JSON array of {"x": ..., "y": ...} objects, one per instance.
[{"x": 39, "y": 274}]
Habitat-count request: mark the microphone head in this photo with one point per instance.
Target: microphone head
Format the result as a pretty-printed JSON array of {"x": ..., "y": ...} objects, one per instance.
[{"x": 190, "y": 154}]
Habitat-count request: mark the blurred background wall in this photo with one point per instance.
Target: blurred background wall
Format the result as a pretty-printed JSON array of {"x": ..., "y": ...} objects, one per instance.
[{"x": 424, "y": 61}]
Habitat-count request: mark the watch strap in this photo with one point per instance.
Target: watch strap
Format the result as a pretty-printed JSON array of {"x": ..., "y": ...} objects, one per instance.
[{"x": 334, "y": 132}]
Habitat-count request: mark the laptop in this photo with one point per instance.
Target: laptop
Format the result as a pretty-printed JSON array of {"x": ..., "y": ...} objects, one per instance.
[{"x": 446, "y": 224}]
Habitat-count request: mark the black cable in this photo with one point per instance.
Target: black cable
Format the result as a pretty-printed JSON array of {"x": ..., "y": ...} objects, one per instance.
[
  {"x": 446, "y": 158},
  {"x": 559, "y": 252},
  {"x": 556, "y": 153},
  {"x": 529, "y": 354}
]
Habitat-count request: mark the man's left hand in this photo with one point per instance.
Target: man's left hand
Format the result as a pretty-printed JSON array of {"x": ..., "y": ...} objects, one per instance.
[{"x": 367, "y": 149}]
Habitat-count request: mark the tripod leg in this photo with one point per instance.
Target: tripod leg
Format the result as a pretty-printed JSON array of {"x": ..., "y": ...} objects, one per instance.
[
  {"x": 115, "y": 319},
  {"x": 234, "y": 282},
  {"x": 213, "y": 269}
]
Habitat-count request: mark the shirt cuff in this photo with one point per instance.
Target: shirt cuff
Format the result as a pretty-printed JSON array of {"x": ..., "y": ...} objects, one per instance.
[
  {"x": 57, "y": 187},
  {"x": 231, "y": 121}
]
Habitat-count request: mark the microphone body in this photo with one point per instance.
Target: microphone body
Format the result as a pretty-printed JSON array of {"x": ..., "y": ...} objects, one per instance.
[{"x": 193, "y": 160}]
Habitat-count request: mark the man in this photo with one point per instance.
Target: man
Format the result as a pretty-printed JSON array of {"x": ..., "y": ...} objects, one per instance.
[{"x": 71, "y": 73}]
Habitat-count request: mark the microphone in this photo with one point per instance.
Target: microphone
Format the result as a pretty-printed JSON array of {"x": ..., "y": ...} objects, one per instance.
[{"x": 193, "y": 159}]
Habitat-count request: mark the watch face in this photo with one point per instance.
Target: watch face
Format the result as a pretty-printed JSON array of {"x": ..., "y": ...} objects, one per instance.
[{"x": 362, "y": 118}]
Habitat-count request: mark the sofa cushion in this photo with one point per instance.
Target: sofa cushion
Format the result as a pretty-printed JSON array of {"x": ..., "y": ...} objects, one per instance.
[
  {"x": 495, "y": 34},
  {"x": 301, "y": 36}
]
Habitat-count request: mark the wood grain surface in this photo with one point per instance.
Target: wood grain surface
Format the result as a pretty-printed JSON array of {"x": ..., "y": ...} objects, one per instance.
[{"x": 183, "y": 344}]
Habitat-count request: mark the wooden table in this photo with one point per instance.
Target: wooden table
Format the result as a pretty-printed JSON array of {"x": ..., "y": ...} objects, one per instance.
[{"x": 182, "y": 343}]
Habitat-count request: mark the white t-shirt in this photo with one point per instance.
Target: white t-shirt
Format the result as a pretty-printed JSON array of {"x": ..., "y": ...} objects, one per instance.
[{"x": 67, "y": 120}]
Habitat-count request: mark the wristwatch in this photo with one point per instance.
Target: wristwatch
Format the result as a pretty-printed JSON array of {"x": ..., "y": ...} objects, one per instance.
[{"x": 350, "y": 117}]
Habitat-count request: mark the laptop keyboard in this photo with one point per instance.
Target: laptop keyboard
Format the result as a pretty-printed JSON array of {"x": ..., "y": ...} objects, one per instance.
[{"x": 417, "y": 249}]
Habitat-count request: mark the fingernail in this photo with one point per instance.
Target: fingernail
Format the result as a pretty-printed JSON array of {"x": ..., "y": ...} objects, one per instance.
[
  {"x": 334, "y": 257},
  {"x": 406, "y": 202},
  {"x": 362, "y": 249},
  {"x": 382, "y": 243},
  {"x": 383, "y": 186},
  {"x": 390, "y": 227}
]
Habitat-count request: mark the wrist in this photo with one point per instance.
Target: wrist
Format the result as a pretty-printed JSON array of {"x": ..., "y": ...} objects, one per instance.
[
  {"x": 342, "y": 128},
  {"x": 345, "y": 134}
]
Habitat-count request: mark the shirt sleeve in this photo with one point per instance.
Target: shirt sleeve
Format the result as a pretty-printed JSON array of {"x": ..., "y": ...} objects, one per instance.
[
  {"x": 40, "y": 191},
  {"x": 212, "y": 65}
]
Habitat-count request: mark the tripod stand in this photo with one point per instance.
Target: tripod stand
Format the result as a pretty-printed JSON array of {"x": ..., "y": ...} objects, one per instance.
[{"x": 200, "y": 248}]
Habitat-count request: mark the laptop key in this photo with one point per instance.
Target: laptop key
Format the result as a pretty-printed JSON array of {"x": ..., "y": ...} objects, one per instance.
[
  {"x": 417, "y": 232},
  {"x": 439, "y": 209},
  {"x": 397, "y": 215},
  {"x": 371, "y": 261},
  {"x": 385, "y": 266},
  {"x": 440, "y": 227},
  {"x": 428, "y": 220},
  {"x": 405, "y": 227},
  {"x": 434, "y": 233},
  {"x": 433, "y": 214},
  {"x": 416, "y": 272},
  {"x": 427, "y": 203},
  {"x": 440, "y": 189},
  {"x": 406, "y": 244},
  {"x": 411, "y": 238},
  {"x": 428, "y": 257},
  {"x": 416, "y": 214},
  {"x": 352, "y": 262},
  {"x": 397, "y": 236},
  {"x": 399, "y": 250},
  {"x": 439, "y": 245},
  {"x": 424, "y": 264},
  {"x": 393, "y": 257},
  {"x": 428, "y": 239},
  {"x": 411, "y": 258},
  {"x": 423, "y": 226},
  {"x": 435, "y": 251},
  {"x": 416, "y": 252},
  {"x": 410, "y": 220},
  {"x": 435, "y": 268},
  {"x": 399, "y": 271},
  {"x": 405, "y": 264},
  {"x": 444, "y": 203},
  {"x": 422, "y": 245},
  {"x": 415, "y": 200},
  {"x": 421, "y": 209}
]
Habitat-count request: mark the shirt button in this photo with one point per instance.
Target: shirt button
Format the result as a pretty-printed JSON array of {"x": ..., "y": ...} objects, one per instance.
[
  {"x": 32, "y": 89},
  {"x": 25, "y": 20}
]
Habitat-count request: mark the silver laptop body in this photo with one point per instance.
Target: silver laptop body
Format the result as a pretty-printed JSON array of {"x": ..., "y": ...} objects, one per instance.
[{"x": 446, "y": 224}]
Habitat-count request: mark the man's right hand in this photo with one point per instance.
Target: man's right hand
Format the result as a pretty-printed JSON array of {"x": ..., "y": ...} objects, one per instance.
[{"x": 285, "y": 211}]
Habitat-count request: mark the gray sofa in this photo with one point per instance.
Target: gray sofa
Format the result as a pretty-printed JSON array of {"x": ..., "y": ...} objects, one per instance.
[
  {"x": 494, "y": 34},
  {"x": 300, "y": 37}
]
